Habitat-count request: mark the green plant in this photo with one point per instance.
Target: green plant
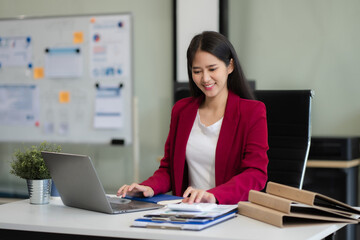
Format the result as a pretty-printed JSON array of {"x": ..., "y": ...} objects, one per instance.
[{"x": 29, "y": 164}]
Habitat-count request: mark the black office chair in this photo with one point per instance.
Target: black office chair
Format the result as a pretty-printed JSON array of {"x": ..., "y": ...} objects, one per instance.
[
  {"x": 182, "y": 92},
  {"x": 289, "y": 133}
]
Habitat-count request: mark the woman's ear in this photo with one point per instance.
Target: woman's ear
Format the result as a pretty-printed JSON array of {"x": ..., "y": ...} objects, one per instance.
[{"x": 230, "y": 67}]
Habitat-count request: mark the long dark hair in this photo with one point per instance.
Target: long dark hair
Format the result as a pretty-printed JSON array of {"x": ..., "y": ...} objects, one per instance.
[{"x": 219, "y": 46}]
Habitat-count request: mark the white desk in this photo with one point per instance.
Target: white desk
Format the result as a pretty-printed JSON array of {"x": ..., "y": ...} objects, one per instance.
[{"x": 57, "y": 218}]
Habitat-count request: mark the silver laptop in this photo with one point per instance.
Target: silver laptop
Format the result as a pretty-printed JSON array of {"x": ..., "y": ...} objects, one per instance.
[{"x": 79, "y": 186}]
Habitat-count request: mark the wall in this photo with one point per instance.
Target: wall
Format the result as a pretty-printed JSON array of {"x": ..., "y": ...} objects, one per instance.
[
  {"x": 153, "y": 86},
  {"x": 282, "y": 45},
  {"x": 304, "y": 44}
]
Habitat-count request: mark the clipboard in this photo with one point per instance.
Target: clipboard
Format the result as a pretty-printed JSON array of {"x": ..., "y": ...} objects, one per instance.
[
  {"x": 166, "y": 218},
  {"x": 173, "y": 225}
]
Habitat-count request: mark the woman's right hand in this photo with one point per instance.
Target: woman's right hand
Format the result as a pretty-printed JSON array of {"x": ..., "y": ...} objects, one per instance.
[{"x": 135, "y": 190}]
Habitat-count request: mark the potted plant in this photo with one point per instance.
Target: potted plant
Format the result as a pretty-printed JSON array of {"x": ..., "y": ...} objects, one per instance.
[{"x": 29, "y": 165}]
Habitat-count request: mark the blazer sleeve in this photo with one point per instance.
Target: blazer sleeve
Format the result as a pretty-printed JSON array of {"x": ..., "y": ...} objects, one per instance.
[{"x": 252, "y": 168}]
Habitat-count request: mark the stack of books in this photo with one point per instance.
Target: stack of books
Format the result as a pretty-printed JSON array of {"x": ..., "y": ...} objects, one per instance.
[
  {"x": 185, "y": 217},
  {"x": 281, "y": 205}
]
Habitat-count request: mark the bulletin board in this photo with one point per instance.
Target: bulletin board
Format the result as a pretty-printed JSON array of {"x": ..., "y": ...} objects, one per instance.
[{"x": 66, "y": 79}]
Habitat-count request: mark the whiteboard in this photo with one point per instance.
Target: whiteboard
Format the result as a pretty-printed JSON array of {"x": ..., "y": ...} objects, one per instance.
[{"x": 66, "y": 79}]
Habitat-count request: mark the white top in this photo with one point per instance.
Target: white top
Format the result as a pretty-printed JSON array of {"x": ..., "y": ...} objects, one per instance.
[{"x": 200, "y": 153}]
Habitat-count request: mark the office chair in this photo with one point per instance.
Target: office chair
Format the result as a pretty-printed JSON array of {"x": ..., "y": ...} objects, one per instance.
[
  {"x": 289, "y": 133},
  {"x": 181, "y": 92}
]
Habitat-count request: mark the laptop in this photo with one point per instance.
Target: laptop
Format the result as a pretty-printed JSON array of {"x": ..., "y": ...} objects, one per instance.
[{"x": 79, "y": 186}]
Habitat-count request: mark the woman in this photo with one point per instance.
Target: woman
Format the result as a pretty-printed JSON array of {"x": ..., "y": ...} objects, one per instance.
[{"x": 216, "y": 148}]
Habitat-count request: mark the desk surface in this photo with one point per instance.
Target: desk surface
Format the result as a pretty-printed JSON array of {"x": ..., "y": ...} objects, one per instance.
[{"x": 57, "y": 218}]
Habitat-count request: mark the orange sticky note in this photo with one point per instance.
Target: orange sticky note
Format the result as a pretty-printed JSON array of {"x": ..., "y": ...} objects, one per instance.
[
  {"x": 38, "y": 72},
  {"x": 64, "y": 97},
  {"x": 78, "y": 37}
]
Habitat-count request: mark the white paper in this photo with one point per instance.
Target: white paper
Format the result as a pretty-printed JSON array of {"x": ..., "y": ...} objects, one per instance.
[
  {"x": 63, "y": 63},
  {"x": 108, "y": 108},
  {"x": 19, "y": 104},
  {"x": 110, "y": 47},
  {"x": 15, "y": 51}
]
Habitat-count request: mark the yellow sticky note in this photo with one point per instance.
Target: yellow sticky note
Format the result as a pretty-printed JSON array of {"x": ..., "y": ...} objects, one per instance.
[
  {"x": 64, "y": 96},
  {"x": 38, "y": 72},
  {"x": 78, "y": 37}
]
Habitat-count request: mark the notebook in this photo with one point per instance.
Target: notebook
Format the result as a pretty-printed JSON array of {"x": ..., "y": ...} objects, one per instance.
[{"x": 79, "y": 185}]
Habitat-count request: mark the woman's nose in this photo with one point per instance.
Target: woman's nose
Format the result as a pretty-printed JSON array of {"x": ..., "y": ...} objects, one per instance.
[{"x": 206, "y": 76}]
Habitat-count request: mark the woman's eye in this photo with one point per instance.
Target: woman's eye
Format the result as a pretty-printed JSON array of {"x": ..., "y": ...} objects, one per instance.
[
  {"x": 212, "y": 69},
  {"x": 196, "y": 72}
]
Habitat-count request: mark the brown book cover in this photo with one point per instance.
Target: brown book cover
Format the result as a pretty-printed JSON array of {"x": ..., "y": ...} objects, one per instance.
[
  {"x": 283, "y": 205},
  {"x": 310, "y": 198},
  {"x": 281, "y": 219}
]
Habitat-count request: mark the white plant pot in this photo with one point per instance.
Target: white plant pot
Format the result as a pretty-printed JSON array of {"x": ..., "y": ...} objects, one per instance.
[{"x": 39, "y": 191}]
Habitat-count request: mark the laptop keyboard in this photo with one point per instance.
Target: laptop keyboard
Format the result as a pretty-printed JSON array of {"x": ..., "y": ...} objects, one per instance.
[
  {"x": 121, "y": 204},
  {"x": 120, "y": 207},
  {"x": 118, "y": 200}
]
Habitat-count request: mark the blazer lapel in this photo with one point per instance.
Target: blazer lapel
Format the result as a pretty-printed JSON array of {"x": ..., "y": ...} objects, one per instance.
[{"x": 226, "y": 136}]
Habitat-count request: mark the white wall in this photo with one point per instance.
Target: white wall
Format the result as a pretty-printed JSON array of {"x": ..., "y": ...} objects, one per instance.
[{"x": 304, "y": 44}]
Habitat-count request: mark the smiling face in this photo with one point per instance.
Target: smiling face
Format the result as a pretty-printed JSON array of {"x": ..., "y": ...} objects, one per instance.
[{"x": 210, "y": 74}]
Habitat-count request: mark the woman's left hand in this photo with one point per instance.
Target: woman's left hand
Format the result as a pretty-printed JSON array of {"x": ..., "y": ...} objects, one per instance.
[{"x": 192, "y": 195}]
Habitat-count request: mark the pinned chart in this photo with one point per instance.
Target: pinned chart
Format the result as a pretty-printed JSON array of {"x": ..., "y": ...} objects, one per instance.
[
  {"x": 64, "y": 62},
  {"x": 108, "y": 107},
  {"x": 108, "y": 58},
  {"x": 15, "y": 51},
  {"x": 19, "y": 104}
]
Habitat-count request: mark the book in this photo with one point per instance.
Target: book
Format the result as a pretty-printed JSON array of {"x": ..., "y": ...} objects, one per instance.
[
  {"x": 283, "y": 205},
  {"x": 281, "y": 219},
  {"x": 310, "y": 198},
  {"x": 166, "y": 218},
  {"x": 162, "y": 199},
  {"x": 289, "y": 206}
]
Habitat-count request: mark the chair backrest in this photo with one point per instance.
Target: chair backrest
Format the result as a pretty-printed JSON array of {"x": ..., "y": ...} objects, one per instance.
[
  {"x": 180, "y": 93},
  {"x": 289, "y": 133}
]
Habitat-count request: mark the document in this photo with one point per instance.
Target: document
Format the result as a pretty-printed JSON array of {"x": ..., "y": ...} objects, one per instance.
[
  {"x": 213, "y": 213},
  {"x": 110, "y": 47},
  {"x": 19, "y": 104},
  {"x": 108, "y": 108},
  {"x": 178, "y": 225},
  {"x": 15, "y": 51},
  {"x": 166, "y": 218},
  {"x": 64, "y": 62}
]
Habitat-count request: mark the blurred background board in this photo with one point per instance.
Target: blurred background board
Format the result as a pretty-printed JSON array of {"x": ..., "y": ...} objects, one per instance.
[{"x": 66, "y": 79}]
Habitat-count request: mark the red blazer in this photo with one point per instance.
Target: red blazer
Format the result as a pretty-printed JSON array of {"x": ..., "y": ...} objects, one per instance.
[{"x": 240, "y": 158}]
